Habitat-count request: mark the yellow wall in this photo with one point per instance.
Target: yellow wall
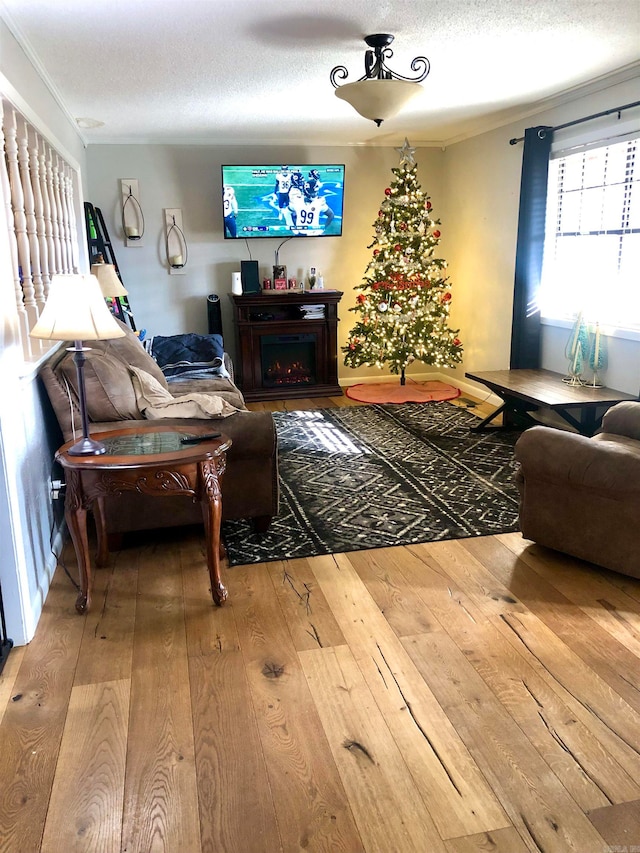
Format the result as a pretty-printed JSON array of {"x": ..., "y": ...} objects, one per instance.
[{"x": 480, "y": 219}]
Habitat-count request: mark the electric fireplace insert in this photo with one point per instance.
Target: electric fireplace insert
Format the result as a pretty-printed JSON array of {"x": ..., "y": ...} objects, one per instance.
[{"x": 284, "y": 348}]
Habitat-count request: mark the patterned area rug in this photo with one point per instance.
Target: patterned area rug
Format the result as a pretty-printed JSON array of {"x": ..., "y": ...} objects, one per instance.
[{"x": 376, "y": 476}]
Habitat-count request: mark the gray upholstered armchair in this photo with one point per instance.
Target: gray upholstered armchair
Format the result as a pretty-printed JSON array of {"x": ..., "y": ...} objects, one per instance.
[{"x": 581, "y": 495}]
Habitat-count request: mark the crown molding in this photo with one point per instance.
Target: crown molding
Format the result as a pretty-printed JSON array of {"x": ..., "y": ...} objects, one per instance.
[
  {"x": 9, "y": 93},
  {"x": 584, "y": 90},
  {"x": 33, "y": 58}
]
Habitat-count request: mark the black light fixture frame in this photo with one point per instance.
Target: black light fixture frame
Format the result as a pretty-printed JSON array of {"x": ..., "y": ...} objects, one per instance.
[
  {"x": 175, "y": 228},
  {"x": 139, "y": 214},
  {"x": 374, "y": 63}
]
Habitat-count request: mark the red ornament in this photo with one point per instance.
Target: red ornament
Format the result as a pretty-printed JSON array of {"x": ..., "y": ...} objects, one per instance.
[
  {"x": 398, "y": 247},
  {"x": 446, "y": 297},
  {"x": 436, "y": 234},
  {"x": 381, "y": 213},
  {"x": 457, "y": 342},
  {"x": 361, "y": 298},
  {"x": 427, "y": 205},
  {"x": 376, "y": 252},
  {"x": 387, "y": 191},
  {"x": 403, "y": 226}
]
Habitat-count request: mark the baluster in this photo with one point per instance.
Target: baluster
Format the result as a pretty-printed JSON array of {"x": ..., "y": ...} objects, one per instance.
[
  {"x": 66, "y": 183},
  {"x": 46, "y": 211},
  {"x": 74, "y": 190},
  {"x": 38, "y": 204},
  {"x": 19, "y": 218},
  {"x": 62, "y": 237},
  {"x": 23, "y": 319},
  {"x": 30, "y": 212},
  {"x": 57, "y": 252},
  {"x": 62, "y": 215}
]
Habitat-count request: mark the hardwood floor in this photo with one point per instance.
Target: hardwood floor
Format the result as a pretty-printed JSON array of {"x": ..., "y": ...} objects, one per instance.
[{"x": 470, "y": 695}]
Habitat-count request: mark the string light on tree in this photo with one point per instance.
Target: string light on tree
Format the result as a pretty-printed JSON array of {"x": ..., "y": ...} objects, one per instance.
[{"x": 405, "y": 295}]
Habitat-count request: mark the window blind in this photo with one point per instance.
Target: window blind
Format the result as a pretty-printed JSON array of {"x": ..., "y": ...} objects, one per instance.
[{"x": 592, "y": 242}]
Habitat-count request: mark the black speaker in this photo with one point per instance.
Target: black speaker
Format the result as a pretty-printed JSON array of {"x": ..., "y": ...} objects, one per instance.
[
  {"x": 214, "y": 314},
  {"x": 250, "y": 277}
]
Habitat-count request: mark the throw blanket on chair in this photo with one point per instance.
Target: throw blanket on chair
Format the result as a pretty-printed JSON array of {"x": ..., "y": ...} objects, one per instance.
[
  {"x": 155, "y": 402},
  {"x": 189, "y": 356}
]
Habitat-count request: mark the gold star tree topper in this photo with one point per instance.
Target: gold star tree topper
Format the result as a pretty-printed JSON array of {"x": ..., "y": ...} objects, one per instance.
[{"x": 406, "y": 153}]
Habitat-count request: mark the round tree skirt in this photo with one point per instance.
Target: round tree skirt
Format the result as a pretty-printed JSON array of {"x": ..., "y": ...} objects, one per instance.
[{"x": 394, "y": 392}]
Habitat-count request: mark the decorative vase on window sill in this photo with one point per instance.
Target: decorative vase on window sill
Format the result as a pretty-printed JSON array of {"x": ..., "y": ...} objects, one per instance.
[
  {"x": 575, "y": 352},
  {"x": 597, "y": 357}
]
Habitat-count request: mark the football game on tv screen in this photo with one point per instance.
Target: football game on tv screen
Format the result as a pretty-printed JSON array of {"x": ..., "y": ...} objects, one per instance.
[{"x": 283, "y": 201}]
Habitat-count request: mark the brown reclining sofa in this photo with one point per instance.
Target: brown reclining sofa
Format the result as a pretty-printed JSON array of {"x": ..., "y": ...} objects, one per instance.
[{"x": 250, "y": 484}]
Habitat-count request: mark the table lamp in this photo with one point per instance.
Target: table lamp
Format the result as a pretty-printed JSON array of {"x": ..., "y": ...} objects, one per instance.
[
  {"x": 108, "y": 279},
  {"x": 75, "y": 310}
]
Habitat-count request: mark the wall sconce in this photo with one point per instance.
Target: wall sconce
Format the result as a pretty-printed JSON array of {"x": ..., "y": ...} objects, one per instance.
[
  {"x": 381, "y": 93},
  {"x": 132, "y": 215},
  {"x": 176, "y": 247}
]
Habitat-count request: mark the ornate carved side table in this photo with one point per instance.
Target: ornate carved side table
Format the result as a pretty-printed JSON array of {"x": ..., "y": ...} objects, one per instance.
[{"x": 152, "y": 460}]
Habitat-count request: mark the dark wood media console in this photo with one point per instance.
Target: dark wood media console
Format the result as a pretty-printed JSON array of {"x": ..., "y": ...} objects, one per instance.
[{"x": 287, "y": 344}]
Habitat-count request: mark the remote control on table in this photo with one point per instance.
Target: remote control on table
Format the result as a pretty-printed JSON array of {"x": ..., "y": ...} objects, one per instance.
[{"x": 196, "y": 439}]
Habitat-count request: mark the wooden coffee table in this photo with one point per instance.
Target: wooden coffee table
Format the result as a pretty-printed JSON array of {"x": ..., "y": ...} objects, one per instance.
[
  {"x": 152, "y": 461},
  {"x": 526, "y": 390}
]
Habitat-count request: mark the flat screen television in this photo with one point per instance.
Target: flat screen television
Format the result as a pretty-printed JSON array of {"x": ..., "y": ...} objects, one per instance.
[{"x": 285, "y": 200}]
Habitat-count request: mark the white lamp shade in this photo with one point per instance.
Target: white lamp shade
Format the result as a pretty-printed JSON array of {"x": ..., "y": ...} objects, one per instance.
[
  {"x": 110, "y": 284},
  {"x": 75, "y": 311},
  {"x": 378, "y": 100}
]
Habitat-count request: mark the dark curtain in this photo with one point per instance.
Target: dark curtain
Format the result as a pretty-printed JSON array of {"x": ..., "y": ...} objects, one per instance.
[{"x": 525, "y": 329}]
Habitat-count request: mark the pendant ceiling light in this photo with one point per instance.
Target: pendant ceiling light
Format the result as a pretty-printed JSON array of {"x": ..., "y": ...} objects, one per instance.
[{"x": 380, "y": 94}]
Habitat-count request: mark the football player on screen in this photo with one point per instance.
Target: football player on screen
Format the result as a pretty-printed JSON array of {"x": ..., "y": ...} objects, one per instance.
[
  {"x": 230, "y": 210},
  {"x": 312, "y": 184},
  {"x": 282, "y": 187},
  {"x": 303, "y": 217}
]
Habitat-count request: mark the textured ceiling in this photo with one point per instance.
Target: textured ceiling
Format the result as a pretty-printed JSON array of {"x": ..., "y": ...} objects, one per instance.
[{"x": 257, "y": 72}]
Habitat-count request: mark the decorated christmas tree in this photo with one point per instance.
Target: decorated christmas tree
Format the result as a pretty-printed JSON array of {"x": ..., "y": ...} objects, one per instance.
[{"x": 405, "y": 295}]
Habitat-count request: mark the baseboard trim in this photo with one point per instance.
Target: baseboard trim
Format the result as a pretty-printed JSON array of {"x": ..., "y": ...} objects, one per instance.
[
  {"x": 44, "y": 582},
  {"x": 390, "y": 377}
]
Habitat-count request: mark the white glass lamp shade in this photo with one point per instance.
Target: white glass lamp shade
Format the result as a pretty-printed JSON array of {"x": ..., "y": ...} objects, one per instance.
[
  {"x": 76, "y": 311},
  {"x": 110, "y": 284},
  {"x": 378, "y": 100}
]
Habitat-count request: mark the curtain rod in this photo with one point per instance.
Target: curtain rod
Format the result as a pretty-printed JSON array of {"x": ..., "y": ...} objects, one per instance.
[{"x": 543, "y": 131}]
